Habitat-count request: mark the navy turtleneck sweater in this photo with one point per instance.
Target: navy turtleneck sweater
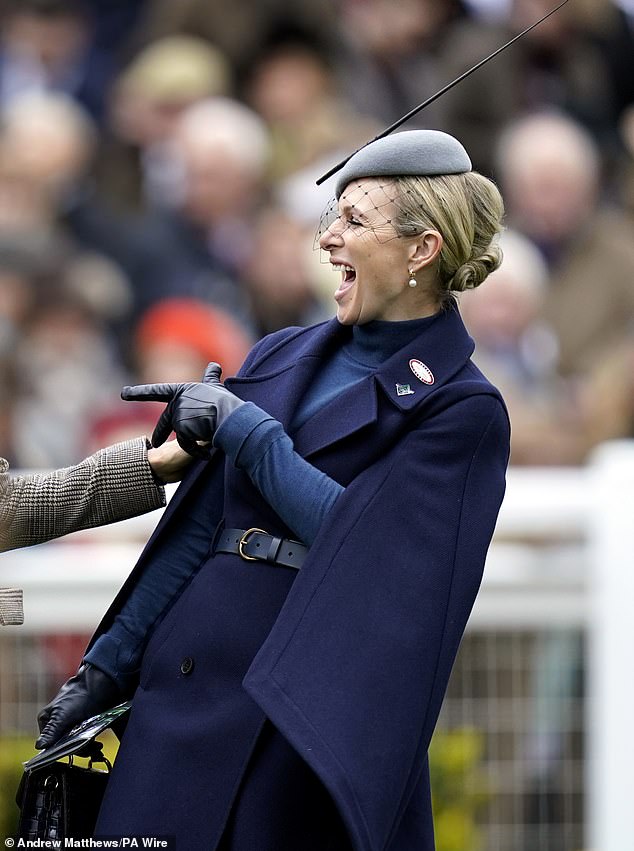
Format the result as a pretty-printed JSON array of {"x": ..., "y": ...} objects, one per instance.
[
  {"x": 298, "y": 492},
  {"x": 370, "y": 345}
]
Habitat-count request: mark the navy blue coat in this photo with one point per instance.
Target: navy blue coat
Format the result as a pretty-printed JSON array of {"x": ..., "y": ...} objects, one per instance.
[{"x": 348, "y": 660}]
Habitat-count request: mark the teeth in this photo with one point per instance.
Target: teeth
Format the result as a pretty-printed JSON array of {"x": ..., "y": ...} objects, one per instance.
[{"x": 339, "y": 267}]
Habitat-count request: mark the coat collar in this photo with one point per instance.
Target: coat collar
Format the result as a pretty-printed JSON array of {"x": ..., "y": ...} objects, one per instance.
[
  {"x": 428, "y": 362},
  {"x": 278, "y": 381},
  {"x": 419, "y": 368}
]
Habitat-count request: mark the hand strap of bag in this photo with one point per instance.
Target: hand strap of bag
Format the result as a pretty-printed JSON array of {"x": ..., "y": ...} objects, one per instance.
[{"x": 93, "y": 751}]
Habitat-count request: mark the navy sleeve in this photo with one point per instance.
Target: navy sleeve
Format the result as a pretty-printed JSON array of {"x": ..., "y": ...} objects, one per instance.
[
  {"x": 118, "y": 651},
  {"x": 300, "y": 494}
]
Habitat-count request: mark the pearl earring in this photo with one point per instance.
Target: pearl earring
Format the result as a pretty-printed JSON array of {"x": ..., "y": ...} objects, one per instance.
[{"x": 412, "y": 278}]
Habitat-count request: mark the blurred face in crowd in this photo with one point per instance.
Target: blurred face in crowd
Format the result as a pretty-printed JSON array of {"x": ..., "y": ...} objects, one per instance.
[
  {"x": 44, "y": 147},
  {"x": 549, "y": 200},
  {"x": 16, "y": 296},
  {"x": 143, "y": 120},
  {"x": 277, "y": 270},
  {"x": 552, "y": 32},
  {"x": 214, "y": 184},
  {"x": 385, "y": 28},
  {"x": 24, "y": 205},
  {"x": 286, "y": 85},
  {"x": 498, "y": 312},
  {"x": 550, "y": 177}
]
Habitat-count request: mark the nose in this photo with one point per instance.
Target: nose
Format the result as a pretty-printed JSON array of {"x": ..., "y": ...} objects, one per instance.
[{"x": 333, "y": 235}]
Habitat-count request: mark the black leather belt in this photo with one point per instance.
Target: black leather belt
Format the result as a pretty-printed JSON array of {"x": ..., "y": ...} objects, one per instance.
[{"x": 258, "y": 545}]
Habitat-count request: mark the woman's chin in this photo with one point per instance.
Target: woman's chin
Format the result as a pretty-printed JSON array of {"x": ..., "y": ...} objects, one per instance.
[
  {"x": 345, "y": 314},
  {"x": 347, "y": 309}
]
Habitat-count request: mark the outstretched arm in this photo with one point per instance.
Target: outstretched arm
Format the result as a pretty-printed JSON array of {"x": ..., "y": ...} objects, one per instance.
[{"x": 113, "y": 484}]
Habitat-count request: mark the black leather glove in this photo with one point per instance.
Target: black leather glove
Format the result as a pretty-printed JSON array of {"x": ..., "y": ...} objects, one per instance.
[
  {"x": 194, "y": 411},
  {"x": 87, "y": 693}
]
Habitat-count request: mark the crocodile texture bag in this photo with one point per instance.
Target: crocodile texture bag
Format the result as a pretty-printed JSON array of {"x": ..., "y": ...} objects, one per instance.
[{"x": 60, "y": 801}]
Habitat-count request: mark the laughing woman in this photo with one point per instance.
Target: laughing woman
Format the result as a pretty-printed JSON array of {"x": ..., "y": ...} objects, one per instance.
[{"x": 329, "y": 551}]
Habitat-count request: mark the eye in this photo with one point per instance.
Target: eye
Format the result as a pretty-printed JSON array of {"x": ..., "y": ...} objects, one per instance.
[{"x": 354, "y": 223}]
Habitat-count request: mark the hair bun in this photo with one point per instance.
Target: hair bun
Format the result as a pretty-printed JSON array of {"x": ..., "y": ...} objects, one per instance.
[{"x": 472, "y": 273}]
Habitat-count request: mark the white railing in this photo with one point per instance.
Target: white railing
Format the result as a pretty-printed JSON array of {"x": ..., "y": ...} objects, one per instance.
[
  {"x": 538, "y": 561},
  {"x": 562, "y": 555}
]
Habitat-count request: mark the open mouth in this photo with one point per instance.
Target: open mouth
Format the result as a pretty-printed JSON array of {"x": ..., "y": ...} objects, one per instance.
[{"x": 348, "y": 277}]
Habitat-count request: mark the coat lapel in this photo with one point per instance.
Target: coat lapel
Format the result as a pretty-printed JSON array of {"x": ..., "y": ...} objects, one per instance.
[
  {"x": 279, "y": 384},
  {"x": 343, "y": 416}
]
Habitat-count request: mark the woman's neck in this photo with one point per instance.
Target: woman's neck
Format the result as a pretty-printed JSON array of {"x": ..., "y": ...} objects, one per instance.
[{"x": 374, "y": 342}]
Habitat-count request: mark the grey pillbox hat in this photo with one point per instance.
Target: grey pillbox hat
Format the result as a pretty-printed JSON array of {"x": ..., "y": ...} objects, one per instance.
[{"x": 411, "y": 152}]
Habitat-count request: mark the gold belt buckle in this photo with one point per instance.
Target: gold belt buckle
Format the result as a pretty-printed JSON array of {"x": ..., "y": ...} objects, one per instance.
[{"x": 244, "y": 540}]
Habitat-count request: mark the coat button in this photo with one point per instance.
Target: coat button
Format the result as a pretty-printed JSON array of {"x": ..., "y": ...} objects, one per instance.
[{"x": 187, "y": 665}]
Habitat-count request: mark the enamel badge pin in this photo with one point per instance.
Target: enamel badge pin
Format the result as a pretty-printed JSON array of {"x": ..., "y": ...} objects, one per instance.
[
  {"x": 421, "y": 371},
  {"x": 403, "y": 390}
]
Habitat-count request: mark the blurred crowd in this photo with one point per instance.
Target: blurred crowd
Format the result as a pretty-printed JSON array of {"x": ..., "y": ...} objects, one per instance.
[{"x": 158, "y": 201}]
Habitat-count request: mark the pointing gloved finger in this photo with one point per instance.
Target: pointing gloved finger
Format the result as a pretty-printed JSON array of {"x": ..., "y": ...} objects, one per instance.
[
  {"x": 163, "y": 427},
  {"x": 212, "y": 373},
  {"x": 150, "y": 392}
]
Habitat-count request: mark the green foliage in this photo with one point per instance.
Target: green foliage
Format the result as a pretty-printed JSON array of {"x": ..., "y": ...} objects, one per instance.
[
  {"x": 459, "y": 788},
  {"x": 13, "y": 752},
  {"x": 455, "y": 760}
]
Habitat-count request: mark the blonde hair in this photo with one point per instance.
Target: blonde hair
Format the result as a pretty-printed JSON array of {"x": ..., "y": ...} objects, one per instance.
[{"x": 467, "y": 210}]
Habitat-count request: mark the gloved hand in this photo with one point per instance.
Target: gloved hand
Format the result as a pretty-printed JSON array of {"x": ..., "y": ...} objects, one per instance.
[
  {"x": 194, "y": 411},
  {"x": 87, "y": 693}
]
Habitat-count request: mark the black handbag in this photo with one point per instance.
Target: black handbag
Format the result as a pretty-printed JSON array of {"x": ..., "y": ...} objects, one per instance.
[{"x": 62, "y": 800}]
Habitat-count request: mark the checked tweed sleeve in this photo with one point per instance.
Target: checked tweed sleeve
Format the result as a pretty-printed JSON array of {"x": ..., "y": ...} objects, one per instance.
[
  {"x": 113, "y": 484},
  {"x": 11, "y": 610}
]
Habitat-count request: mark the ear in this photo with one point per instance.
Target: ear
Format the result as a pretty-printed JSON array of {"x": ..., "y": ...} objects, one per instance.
[{"x": 424, "y": 249}]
